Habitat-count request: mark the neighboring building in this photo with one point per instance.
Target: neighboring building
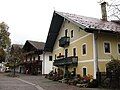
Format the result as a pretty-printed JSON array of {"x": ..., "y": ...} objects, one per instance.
[
  {"x": 33, "y": 62},
  {"x": 82, "y": 44},
  {"x": 36, "y": 60}
]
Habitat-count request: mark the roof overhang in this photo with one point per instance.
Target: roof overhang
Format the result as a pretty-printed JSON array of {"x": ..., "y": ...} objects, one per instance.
[
  {"x": 58, "y": 18},
  {"x": 55, "y": 26}
]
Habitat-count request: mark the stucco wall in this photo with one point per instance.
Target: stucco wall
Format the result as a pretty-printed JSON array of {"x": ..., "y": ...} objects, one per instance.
[
  {"x": 113, "y": 39},
  {"x": 80, "y": 37},
  {"x": 47, "y": 65}
]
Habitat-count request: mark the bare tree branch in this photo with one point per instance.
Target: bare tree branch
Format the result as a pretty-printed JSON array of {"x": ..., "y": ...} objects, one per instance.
[{"x": 114, "y": 9}]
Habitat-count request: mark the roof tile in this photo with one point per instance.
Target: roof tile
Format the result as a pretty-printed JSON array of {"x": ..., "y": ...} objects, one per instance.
[{"x": 93, "y": 23}]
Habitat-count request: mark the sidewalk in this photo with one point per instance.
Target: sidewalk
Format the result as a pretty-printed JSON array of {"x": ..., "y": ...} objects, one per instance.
[{"x": 47, "y": 84}]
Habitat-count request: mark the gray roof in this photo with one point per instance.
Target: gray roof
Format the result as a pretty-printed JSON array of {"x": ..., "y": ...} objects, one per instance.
[
  {"x": 17, "y": 46},
  {"x": 36, "y": 44},
  {"x": 91, "y": 23},
  {"x": 88, "y": 24}
]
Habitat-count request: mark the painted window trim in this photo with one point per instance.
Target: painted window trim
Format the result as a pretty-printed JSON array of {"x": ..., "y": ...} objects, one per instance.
[
  {"x": 117, "y": 48},
  {"x": 104, "y": 47},
  {"x": 86, "y": 70},
  {"x": 82, "y": 49}
]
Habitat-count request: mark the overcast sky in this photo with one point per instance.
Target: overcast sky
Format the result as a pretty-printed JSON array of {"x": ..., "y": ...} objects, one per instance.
[{"x": 30, "y": 19}]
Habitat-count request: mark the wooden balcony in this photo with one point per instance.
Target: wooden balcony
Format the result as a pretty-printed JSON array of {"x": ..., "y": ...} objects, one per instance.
[
  {"x": 64, "y": 41},
  {"x": 73, "y": 60}
]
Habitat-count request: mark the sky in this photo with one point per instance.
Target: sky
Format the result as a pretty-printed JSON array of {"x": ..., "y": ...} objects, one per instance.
[{"x": 30, "y": 19}]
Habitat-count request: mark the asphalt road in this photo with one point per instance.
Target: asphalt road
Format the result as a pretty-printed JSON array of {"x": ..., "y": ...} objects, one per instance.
[
  {"x": 28, "y": 82},
  {"x": 9, "y": 83}
]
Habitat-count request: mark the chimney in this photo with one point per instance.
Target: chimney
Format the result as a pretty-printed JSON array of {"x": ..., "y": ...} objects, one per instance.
[{"x": 103, "y": 11}]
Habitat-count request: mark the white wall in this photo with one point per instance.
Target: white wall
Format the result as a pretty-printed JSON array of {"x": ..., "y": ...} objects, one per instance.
[{"x": 47, "y": 65}]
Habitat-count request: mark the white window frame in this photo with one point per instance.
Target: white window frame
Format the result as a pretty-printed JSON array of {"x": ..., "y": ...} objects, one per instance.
[
  {"x": 104, "y": 47},
  {"x": 117, "y": 48},
  {"x": 82, "y": 49}
]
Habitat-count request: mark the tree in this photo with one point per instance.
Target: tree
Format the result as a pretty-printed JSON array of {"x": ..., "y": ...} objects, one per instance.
[
  {"x": 113, "y": 72},
  {"x": 2, "y": 55},
  {"x": 4, "y": 36},
  {"x": 113, "y": 68},
  {"x": 4, "y": 40},
  {"x": 16, "y": 56},
  {"x": 114, "y": 9}
]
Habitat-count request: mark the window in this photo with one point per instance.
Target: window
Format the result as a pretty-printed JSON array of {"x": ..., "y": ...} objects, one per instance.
[
  {"x": 84, "y": 71},
  {"x": 50, "y": 58},
  {"x": 106, "y": 47},
  {"x": 74, "y": 51},
  {"x": 71, "y": 33},
  {"x": 66, "y": 31},
  {"x": 84, "y": 49},
  {"x": 119, "y": 48},
  {"x": 66, "y": 52}
]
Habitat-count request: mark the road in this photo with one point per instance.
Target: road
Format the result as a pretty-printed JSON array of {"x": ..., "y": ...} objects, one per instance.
[
  {"x": 9, "y": 83},
  {"x": 28, "y": 82}
]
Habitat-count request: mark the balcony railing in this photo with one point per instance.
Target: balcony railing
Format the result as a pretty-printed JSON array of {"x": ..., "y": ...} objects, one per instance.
[
  {"x": 73, "y": 60},
  {"x": 64, "y": 41}
]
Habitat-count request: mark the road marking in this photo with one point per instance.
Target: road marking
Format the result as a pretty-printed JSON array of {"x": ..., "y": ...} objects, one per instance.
[{"x": 37, "y": 86}]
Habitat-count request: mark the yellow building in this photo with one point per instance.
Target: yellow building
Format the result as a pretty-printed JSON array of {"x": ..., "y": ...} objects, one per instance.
[{"x": 82, "y": 44}]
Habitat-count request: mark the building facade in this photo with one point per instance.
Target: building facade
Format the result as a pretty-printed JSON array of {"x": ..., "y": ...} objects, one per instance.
[
  {"x": 33, "y": 53},
  {"x": 82, "y": 44}
]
